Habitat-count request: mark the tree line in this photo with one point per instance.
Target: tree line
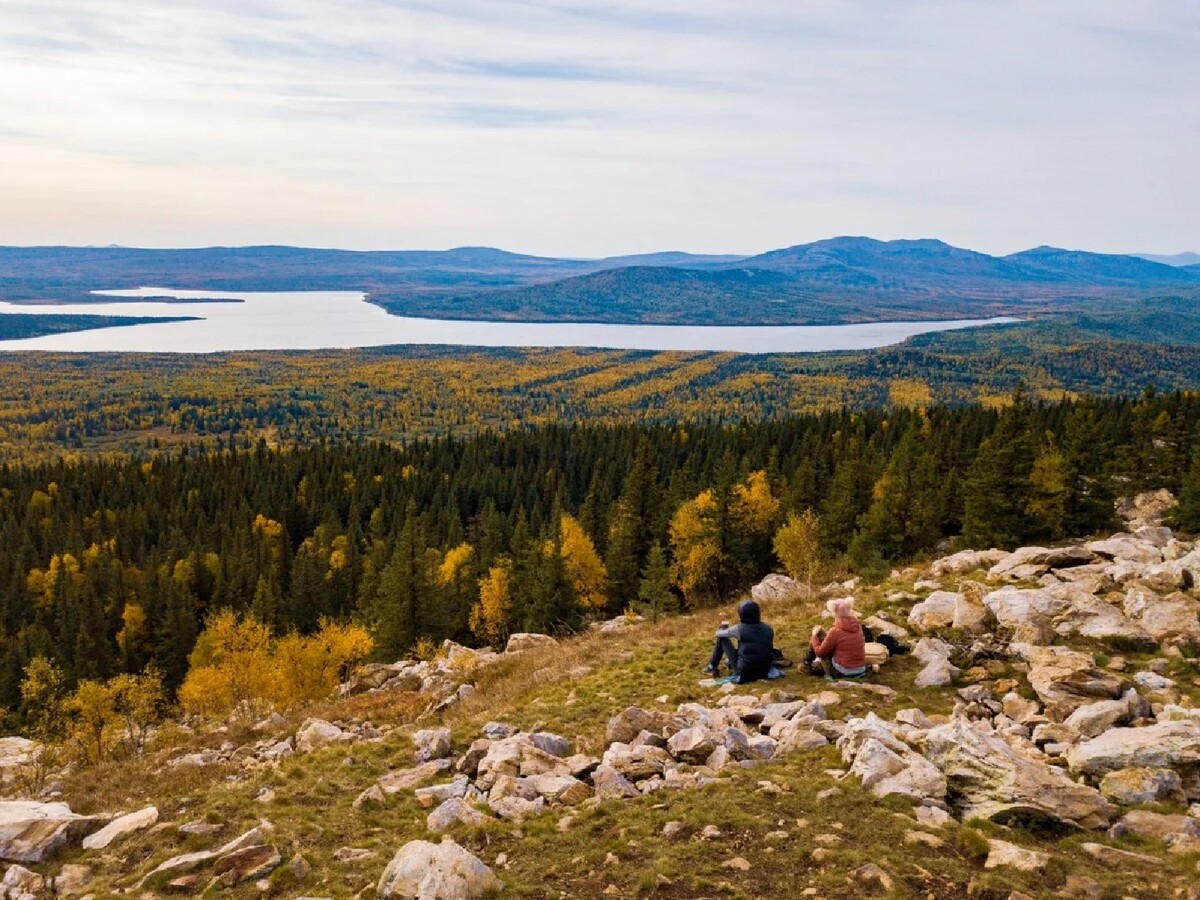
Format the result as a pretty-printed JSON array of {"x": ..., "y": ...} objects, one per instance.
[{"x": 108, "y": 567}]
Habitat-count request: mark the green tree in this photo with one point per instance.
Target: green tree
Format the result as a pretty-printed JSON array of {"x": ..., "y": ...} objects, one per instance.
[{"x": 655, "y": 596}]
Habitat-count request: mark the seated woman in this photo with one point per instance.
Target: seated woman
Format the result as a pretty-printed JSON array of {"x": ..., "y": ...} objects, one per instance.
[
  {"x": 841, "y": 652},
  {"x": 754, "y": 656}
]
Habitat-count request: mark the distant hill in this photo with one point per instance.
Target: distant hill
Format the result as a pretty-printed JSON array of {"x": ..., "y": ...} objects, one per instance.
[
  {"x": 1177, "y": 259},
  {"x": 1080, "y": 267},
  {"x": 842, "y": 279}
]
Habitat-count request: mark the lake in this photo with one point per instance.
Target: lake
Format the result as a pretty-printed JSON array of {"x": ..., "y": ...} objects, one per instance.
[{"x": 320, "y": 320}]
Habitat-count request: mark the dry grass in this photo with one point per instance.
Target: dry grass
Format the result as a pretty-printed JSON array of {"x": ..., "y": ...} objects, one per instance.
[{"x": 573, "y": 689}]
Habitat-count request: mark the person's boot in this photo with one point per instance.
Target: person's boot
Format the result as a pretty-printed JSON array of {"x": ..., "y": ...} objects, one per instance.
[{"x": 714, "y": 671}]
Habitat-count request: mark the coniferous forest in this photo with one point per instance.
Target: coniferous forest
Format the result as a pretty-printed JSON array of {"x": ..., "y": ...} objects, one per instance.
[{"x": 107, "y": 566}]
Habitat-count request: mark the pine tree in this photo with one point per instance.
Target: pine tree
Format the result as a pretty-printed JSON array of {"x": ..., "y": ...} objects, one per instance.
[
  {"x": 655, "y": 596},
  {"x": 998, "y": 484},
  {"x": 903, "y": 516},
  {"x": 404, "y": 590},
  {"x": 848, "y": 498},
  {"x": 1186, "y": 514}
]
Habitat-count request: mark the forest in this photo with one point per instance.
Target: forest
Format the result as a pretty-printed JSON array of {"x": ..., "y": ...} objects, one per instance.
[
  {"x": 111, "y": 565},
  {"x": 138, "y": 403}
]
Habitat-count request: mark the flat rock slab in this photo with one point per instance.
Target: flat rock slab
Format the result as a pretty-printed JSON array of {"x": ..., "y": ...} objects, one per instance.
[
  {"x": 31, "y": 832},
  {"x": 120, "y": 827}
]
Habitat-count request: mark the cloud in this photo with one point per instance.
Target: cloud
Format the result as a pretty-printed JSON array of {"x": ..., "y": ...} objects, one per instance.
[{"x": 585, "y": 128}]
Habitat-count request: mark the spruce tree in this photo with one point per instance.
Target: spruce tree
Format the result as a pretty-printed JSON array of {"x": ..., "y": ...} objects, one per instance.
[{"x": 655, "y": 596}]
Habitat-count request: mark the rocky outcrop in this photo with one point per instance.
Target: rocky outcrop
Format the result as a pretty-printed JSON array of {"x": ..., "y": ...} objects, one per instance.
[
  {"x": 32, "y": 832},
  {"x": 776, "y": 588},
  {"x": 966, "y": 561},
  {"x": 317, "y": 733},
  {"x": 1066, "y": 680},
  {"x": 1033, "y": 562},
  {"x": 1132, "y": 787},
  {"x": 521, "y": 641},
  {"x": 1164, "y": 745},
  {"x": 1146, "y": 509},
  {"x": 989, "y": 779},
  {"x": 424, "y": 871},
  {"x": 628, "y": 724},
  {"x": 887, "y": 765}
]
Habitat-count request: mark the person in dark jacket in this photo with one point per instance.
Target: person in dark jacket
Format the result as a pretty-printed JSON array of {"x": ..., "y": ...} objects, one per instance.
[{"x": 753, "y": 657}]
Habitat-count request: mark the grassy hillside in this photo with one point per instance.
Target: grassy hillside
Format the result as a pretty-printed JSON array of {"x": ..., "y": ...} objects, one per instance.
[{"x": 800, "y": 828}]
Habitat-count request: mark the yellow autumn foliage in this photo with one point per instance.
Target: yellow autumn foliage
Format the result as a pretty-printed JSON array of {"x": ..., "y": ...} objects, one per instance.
[
  {"x": 238, "y": 667},
  {"x": 489, "y": 618}
]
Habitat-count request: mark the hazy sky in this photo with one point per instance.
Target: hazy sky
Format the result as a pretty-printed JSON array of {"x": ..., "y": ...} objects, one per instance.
[{"x": 592, "y": 128}]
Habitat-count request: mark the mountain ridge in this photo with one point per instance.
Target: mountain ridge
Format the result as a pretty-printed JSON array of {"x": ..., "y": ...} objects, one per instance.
[{"x": 836, "y": 280}]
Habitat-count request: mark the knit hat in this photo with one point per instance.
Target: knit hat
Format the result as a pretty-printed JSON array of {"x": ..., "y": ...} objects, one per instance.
[{"x": 841, "y": 607}]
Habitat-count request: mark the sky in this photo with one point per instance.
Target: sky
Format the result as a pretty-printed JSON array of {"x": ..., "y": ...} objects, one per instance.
[{"x": 596, "y": 128}]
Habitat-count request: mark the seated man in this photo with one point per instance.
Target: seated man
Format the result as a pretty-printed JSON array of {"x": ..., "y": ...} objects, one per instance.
[
  {"x": 841, "y": 652},
  {"x": 754, "y": 656}
]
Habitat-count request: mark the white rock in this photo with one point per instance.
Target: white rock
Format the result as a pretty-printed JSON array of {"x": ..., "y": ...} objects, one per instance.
[
  {"x": 1165, "y": 745},
  {"x": 935, "y": 611},
  {"x": 317, "y": 733},
  {"x": 522, "y": 641},
  {"x": 119, "y": 828},
  {"x": 776, "y": 588},
  {"x": 1010, "y": 856},
  {"x": 432, "y": 743},
  {"x": 424, "y": 871},
  {"x": 31, "y": 832},
  {"x": 966, "y": 561}
]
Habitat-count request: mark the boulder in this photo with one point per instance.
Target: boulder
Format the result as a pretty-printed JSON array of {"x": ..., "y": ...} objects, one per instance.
[
  {"x": 31, "y": 832},
  {"x": 424, "y": 871},
  {"x": 1145, "y": 509},
  {"x": 1027, "y": 561},
  {"x": 21, "y": 882},
  {"x": 1002, "y": 854},
  {"x": 72, "y": 881},
  {"x": 636, "y": 763},
  {"x": 1096, "y": 718},
  {"x": 1165, "y": 745},
  {"x": 1091, "y": 617},
  {"x": 1157, "y": 826},
  {"x": 1065, "y": 680},
  {"x": 439, "y": 793},
  {"x": 626, "y": 725},
  {"x": 247, "y": 864},
  {"x": 453, "y": 811},
  {"x": 939, "y": 672},
  {"x": 935, "y": 611},
  {"x": 317, "y": 733},
  {"x": 884, "y": 772},
  {"x": 988, "y": 778},
  {"x": 1030, "y": 613},
  {"x": 691, "y": 745},
  {"x": 522, "y": 641},
  {"x": 407, "y": 779},
  {"x": 612, "y": 785},
  {"x": 432, "y": 743},
  {"x": 1174, "y": 619},
  {"x": 970, "y": 614},
  {"x": 517, "y": 809},
  {"x": 120, "y": 827},
  {"x": 17, "y": 751},
  {"x": 1132, "y": 787},
  {"x": 966, "y": 561},
  {"x": 1128, "y": 548},
  {"x": 776, "y": 588},
  {"x": 553, "y": 744},
  {"x": 561, "y": 789}
]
